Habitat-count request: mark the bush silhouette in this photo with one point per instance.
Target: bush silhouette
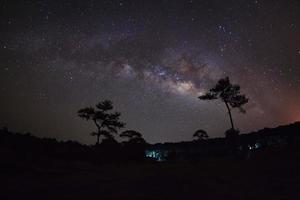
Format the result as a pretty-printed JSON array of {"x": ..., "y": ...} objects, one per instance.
[
  {"x": 134, "y": 146},
  {"x": 133, "y": 137},
  {"x": 200, "y": 135}
]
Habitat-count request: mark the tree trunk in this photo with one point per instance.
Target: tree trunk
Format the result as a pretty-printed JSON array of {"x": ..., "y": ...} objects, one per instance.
[
  {"x": 229, "y": 112},
  {"x": 98, "y": 135},
  {"x": 98, "y": 139}
]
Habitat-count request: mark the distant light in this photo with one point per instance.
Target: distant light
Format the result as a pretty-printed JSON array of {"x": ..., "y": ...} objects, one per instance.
[
  {"x": 156, "y": 154},
  {"x": 257, "y": 145}
]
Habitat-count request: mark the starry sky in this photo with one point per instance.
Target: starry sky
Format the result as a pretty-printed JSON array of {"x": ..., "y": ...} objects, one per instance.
[{"x": 152, "y": 59}]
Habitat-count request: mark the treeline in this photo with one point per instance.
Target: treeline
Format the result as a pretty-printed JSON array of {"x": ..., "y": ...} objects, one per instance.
[
  {"x": 18, "y": 148},
  {"x": 265, "y": 141}
]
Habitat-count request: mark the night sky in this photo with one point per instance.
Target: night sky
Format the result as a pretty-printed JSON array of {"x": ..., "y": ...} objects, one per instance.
[{"x": 152, "y": 59}]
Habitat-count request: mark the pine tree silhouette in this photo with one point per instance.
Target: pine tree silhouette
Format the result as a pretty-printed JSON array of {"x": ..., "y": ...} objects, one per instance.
[{"x": 107, "y": 122}]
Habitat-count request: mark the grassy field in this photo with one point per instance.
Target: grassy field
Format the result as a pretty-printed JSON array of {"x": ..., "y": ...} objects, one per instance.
[{"x": 262, "y": 177}]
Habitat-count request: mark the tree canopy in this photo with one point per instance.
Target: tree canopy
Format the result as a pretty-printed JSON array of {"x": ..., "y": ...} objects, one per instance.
[
  {"x": 228, "y": 93},
  {"x": 106, "y": 121},
  {"x": 132, "y": 136}
]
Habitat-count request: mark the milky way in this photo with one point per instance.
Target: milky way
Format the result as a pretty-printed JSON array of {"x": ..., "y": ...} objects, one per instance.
[{"x": 152, "y": 59}]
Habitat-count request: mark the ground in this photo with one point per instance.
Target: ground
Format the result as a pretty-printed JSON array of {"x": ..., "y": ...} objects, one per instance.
[{"x": 262, "y": 177}]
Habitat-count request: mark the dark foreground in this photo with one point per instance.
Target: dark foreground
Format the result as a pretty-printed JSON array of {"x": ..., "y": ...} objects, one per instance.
[{"x": 274, "y": 175}]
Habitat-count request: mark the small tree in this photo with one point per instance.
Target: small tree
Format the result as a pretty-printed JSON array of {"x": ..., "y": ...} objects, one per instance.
[
  {"x": 133, "y": 136},
  {"x": 229, "y": 94},
  {"x": 134, "y": 146},
  {"x": 107, "y": 122},
  {"x": 200, "y": 135}
]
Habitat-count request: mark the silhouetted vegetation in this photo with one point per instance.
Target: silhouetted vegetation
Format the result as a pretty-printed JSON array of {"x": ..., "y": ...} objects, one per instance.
[
  {"x": 45, "y": 166},
  {"x": 17, "y": 147},
  {"x": 228, "y": 93},
  {"x": 200, "y": 135},
  {"x": 255, "y": 143},
  {"x": 41, "y": 157},
  {"x": 28, "y": 149},
  {"x": 133, "y": 137},
  {"x": 107, "y": 122},
  {"x": 134, "y": 146}
]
